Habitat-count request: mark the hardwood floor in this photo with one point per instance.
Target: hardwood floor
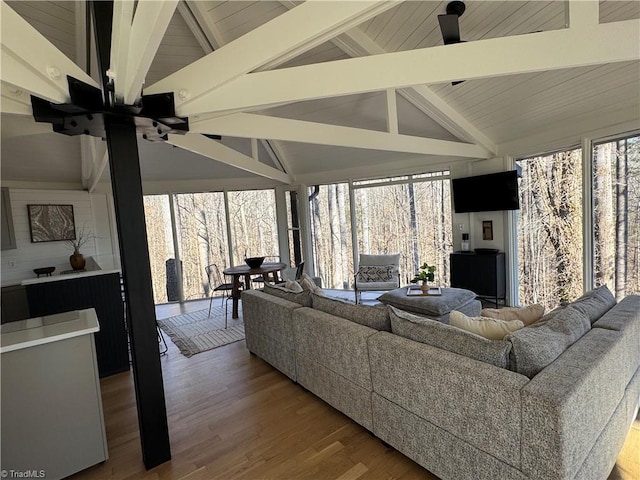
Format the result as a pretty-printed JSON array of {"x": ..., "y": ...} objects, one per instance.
[{"x": 232, "y": 416}]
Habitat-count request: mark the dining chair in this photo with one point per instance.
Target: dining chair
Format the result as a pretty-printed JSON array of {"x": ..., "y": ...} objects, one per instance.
[{"x": 217, "y": 284}]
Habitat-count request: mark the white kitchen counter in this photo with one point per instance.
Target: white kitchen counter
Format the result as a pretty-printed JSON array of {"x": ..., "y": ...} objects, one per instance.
[
  {"x": 50, "y": 400},
  {"x": 42, "y": 330}
]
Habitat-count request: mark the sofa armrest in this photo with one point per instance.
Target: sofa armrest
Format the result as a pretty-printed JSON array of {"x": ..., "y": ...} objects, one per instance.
[
  {"x": 471, "y": 400},
  {"x": 267, "y": 315},
  {"x": 569, "y": 403}
]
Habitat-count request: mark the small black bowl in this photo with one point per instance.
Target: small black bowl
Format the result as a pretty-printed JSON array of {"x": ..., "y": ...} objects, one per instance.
[
  {"x": 44, "y": 270},
  {"x": 254, "y": 262}
]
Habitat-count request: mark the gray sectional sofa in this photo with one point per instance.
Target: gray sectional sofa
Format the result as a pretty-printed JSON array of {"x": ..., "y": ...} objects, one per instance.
[{"x": 458, "y": 416}]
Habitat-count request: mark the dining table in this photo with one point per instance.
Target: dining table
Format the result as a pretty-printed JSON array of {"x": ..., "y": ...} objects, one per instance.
[{"x": 268, "y": 270}]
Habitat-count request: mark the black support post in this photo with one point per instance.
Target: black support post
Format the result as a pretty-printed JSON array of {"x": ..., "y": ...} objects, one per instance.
[{"x": 134, "y": 254}]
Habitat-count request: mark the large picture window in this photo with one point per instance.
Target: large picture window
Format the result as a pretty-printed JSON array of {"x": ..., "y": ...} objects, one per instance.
[
  {"x": 550, "y": 238},
  {"x": 254, "y": 228},
  {"x": 202, "y": 237},
  {"x": 201, "y": 231},
  {"x": 408, "y": 215},
  {"x": 331, "y": 234},
  {"x": 161, "y": 250},
  {"x": 616, "y": 215}
]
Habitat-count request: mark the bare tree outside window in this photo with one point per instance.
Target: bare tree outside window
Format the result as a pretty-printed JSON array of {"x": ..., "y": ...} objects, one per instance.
[
  {"x": 254, "y": 228},
  {"x": 160, "y": 240},
  {"x": 331, "y": 233},
  {"x": 202, "y": 238},
  {"x": 616, "y": 215},
  {"x": 550, "y": 239},
  {"x": 410, "y": 218}
]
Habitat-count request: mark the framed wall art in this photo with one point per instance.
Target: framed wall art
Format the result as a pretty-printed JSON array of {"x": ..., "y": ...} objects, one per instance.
[
  {"x": 51, "y": 223},
  {"x": 487, "y": 230}
]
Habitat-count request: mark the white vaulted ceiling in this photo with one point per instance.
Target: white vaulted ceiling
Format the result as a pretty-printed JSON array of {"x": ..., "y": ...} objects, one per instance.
[{"x": 307, "y": 127}]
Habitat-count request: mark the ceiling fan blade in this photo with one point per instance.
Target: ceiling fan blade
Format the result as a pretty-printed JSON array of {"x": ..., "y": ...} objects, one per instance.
[{"x": 450, "y": 28}]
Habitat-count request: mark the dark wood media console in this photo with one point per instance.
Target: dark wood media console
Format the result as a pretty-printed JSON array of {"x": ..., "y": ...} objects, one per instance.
[{"x": 483, "y": 274}]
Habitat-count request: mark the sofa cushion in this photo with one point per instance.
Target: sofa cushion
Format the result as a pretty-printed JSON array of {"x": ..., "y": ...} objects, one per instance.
[
  {"x": 596, "y": 303},
  {"x": 536, "y": 346},
  {"x": 433, "y": 306},
  {"x": 526, "y": 315},
  {"x": 436, "y": 334},
  {"x": 370, "y": 316},
  {"x": 303, "y": 298},
  {"x": 486, "y": 327}
]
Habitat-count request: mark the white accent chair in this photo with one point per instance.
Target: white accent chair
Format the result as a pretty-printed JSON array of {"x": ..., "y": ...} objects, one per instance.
[{"x": 376, "y": 273}]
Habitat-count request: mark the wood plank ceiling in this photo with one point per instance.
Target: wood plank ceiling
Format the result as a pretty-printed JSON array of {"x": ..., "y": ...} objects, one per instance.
[{"x": 499, "y": 111}]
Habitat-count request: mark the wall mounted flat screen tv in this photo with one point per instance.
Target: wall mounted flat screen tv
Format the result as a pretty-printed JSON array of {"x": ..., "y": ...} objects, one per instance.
[{"x": 486, "y": 193}]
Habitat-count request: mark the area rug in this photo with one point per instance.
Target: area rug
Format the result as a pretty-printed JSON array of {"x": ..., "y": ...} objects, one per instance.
[{"x": 195, "y": 332}]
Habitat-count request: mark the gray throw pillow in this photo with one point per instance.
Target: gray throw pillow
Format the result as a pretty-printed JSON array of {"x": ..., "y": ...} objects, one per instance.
[
  {"x": 536, "y": 346},
  {"x": 368, "y": 315},
  {"x": 303, "y": 298},
  {"x": 596, "y": 303},
  {"x": 446, "y": 337}
]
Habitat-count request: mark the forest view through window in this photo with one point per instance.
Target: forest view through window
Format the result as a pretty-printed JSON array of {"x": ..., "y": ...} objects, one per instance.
[
  {"x": 411, "y": 218},
  {"x": 409, "y": 215},
  {"x": 550, "y": 239},
  {"x": 331, "y": 234},
  {"x": 201, "y": 230},
  {"x": 161, "y": 249},
  {"x": 616, "y": 215}
]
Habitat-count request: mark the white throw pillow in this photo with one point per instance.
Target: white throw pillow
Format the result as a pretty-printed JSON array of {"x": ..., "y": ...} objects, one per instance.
[
  {"x": 307, "y": 283},
  {"x": 293, "y": 286},
  {"x": 490, "y": 328},
  {"x": 526, "y": 315}
]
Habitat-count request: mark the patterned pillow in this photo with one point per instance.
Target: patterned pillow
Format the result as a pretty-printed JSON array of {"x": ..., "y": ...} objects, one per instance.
[{"x": 376, "y": 273}]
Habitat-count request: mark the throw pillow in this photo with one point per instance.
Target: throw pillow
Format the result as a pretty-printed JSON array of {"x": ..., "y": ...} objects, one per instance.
[
  {"x": 293, "y": 286},
  {"x": 490, "y": 328},
  {"x": 596, "y": 303},
  {"x": 376, "y": 273},
  {"x": 536, "y": 346},
  {"x": 446, "y": 337},
  {"x": 303, "y": 298},
  {"x": 526, "y": 315},
  {"x": 368, "y": 315},
  {"x": 308, "y": 284}
]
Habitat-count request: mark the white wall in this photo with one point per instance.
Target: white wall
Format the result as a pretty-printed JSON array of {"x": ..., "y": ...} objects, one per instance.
[{"x": 93, "y": 211}]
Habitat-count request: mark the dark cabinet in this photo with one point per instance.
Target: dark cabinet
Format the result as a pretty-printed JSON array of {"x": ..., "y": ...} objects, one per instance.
[
  {"x": 101, "y": 292},
  {"x": 14, "y": 303},
  {"x": 483, "y": 274}
]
